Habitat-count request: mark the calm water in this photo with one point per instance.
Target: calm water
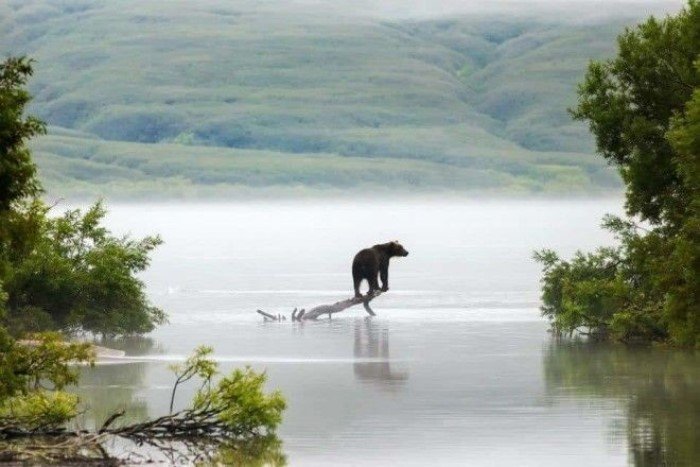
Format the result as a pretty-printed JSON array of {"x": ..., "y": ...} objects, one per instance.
[{"x": 457, "y": 368}]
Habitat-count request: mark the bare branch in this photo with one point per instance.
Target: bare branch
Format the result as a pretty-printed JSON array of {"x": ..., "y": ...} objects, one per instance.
[{"x": 111, "y": 420}]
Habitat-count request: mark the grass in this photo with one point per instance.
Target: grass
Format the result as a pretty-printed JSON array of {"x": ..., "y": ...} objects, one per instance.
[
  {"x": 87, "y": 167},
  {"x": 206, "y": 96}
]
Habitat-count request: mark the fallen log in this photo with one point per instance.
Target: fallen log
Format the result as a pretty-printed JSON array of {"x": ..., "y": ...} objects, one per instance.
[{"x": 320, "y": 310}]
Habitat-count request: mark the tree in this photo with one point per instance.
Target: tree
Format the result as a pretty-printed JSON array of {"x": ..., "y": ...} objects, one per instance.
[
  {"x": 644, "y": 109},
  {"x": 17, "y": 171},
  {"x": 629, "y": 103},
  {"x": 682, "y": 272},
  {"x": 66, "y": 272},
  {"x": 69, "y": 273}
]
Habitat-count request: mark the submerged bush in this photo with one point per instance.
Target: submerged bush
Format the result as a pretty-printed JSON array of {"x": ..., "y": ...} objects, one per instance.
[
  {"x": 69, "y": 273},
  {"x": 42, "y": 361},
  {"x": 607, "y": 293},
  {"x": 38, "y": 410},
  {"x": 237, "y": 401},
  {"x": 241, "y": 403},
  {"x": 33, "y": 374}
]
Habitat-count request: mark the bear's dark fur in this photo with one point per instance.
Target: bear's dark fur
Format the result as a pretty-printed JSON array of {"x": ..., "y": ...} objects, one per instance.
[{"x": 370, "y": 262}]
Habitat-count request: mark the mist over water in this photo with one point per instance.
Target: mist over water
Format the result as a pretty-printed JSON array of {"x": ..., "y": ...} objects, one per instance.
[{"x": 456, "y": 368}]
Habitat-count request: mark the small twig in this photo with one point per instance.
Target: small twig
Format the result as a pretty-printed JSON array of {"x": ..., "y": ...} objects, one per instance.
[
  {"x": 267, "y": 315},
  {"x": 183, "y": 378},
  {"x": 111, "y": 420}
]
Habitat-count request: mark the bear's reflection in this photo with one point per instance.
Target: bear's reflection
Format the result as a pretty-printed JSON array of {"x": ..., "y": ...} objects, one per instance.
[{"x": 371, "y": 350}]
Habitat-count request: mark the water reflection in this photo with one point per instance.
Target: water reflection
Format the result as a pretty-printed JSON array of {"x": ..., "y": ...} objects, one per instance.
[
  {"x": 106, "y": 389},
  {"x": 260, "y": 451},
  {"x": 372, "y": 343},
  {"x": 109, "y": 388},
  {"x": 657, "y": 389},
  {"x": 255, "y": 451},
  {"x": 132, "y": 345}
]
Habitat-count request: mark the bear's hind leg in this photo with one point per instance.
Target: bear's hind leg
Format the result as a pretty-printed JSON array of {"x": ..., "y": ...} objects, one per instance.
[{"x": 356, "y": 283}]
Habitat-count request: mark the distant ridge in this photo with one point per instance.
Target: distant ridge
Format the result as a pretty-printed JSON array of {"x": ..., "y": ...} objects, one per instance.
[{"x": 190, "y": 99}]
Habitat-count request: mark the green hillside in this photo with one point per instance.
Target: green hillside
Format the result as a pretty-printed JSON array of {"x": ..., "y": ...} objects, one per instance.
[{"x": 148, "y": 97}]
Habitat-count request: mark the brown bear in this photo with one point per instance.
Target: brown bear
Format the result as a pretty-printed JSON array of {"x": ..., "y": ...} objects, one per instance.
[{"x": 372, "y": 261}]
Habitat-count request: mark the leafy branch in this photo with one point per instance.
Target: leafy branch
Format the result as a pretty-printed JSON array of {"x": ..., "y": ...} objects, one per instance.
[{"x": 232, "y": 408}]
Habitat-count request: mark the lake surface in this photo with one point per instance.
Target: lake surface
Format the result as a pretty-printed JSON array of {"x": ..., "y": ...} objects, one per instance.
[{"x": 457, "y": 368}]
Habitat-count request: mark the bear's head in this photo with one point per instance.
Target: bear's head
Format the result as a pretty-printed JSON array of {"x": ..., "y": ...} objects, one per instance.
[{"x": 396, "y": 249}]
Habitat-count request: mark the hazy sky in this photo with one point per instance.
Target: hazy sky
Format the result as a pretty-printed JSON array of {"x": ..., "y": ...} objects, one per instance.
[{"x": 576, "y": 9}]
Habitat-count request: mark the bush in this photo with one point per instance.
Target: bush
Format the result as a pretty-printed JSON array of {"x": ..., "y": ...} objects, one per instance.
[
  {"x": 631, "y": 292},
  {"x": 241, "y": 403},
  {"x": 42, "y": 361},
  {"x": 39, "y": 410},
  {"x": 237, "y": 401}
]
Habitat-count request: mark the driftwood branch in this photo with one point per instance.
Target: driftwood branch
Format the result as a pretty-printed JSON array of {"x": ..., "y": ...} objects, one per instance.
[
  {"x": 183, "y": 424},
  {"x": 57, "y": 445},
  {"x": 337, "y": 307},
  {"x": 270, "y": 317},
  {"x": 320, "y": 310}
]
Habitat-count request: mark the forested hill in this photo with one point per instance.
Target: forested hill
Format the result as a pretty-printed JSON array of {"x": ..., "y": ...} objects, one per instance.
[{"x": 187, "y": 98}]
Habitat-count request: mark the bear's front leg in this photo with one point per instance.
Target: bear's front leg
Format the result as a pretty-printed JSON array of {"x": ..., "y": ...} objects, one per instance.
[
  {"x": 384, "y": 274},
  {"x": 373, "y": 285}
]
